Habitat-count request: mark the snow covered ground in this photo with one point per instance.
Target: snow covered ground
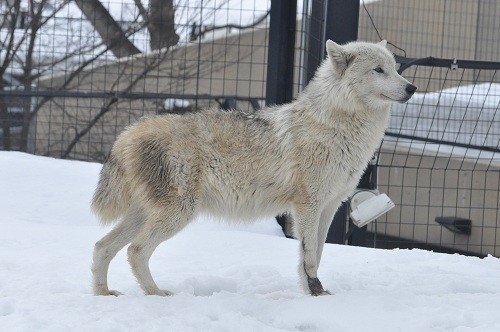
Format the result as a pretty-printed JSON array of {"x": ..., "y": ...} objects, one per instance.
[{"x": 227, "y": 278}]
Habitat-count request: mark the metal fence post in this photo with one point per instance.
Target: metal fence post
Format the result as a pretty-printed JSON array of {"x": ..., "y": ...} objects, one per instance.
[
  {"x": 330, "y": 19},
  {"x": 280, "y": 63},
  {"x": 281, "y": 51},
  {"x": 336, "y": 20}
]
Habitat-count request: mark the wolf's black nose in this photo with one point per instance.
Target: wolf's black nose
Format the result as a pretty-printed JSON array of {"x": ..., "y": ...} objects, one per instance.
[{"x": 410, "y": 88}]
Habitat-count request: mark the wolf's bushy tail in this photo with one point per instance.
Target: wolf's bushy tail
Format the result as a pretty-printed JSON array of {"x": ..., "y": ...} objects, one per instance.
[{"x": 111, "y": 197}]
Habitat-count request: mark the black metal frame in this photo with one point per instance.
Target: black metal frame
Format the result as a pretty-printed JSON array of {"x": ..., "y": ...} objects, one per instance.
[
  {"x": 330, "y": 19},
  {"x": 340, "y": 23},
  {"x": 279, "y": 85},
  {"x": 444, "y": 63},
  {"x": 280, "y": 64}
]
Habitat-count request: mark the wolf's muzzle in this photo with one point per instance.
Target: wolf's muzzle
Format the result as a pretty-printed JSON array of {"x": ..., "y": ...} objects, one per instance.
[{"x": 410, "y": 89}]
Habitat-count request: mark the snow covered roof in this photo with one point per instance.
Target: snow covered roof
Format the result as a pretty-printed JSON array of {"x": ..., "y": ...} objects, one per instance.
[{"x": 464, "y": 114}]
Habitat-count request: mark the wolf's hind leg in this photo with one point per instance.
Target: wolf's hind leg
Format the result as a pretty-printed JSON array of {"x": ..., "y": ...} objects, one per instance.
[
  {"x": 106, "y": 248},
  {"x": 159, "y": 227}
]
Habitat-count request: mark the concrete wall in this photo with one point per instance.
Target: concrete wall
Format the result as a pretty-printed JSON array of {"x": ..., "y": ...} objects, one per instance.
[
  {"x": 461, "y": 29},
  {"x": 427, "y": 182}
]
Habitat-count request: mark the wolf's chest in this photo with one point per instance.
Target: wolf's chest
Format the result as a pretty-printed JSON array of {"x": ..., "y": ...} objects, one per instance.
[
  {"x": 344, "y": 155},
  {"x": 338, "y": 164}
]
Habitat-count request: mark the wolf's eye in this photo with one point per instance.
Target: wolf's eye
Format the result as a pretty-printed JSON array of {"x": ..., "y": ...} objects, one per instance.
[{"x": 379, "y": 70}]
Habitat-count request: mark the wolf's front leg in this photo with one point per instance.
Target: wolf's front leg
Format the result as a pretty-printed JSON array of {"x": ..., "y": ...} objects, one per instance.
[
  {"x": 325, "y": 221},
  {"x": 306, "y": 219}
]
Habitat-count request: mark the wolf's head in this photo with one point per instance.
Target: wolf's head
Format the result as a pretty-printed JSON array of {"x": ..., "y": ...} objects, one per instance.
[{"x": 369, "y": 70}]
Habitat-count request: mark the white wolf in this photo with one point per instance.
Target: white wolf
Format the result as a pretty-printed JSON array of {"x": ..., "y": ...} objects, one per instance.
[{"x": 303, "y": 158}]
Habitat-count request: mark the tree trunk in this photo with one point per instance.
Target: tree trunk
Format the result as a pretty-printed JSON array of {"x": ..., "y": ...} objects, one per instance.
[
  {"x": 109, "y": 30},
  {"x": 28, "y": 67},
  {"x": 4, "y": 116},
  {"x": 161, "y": 24}
]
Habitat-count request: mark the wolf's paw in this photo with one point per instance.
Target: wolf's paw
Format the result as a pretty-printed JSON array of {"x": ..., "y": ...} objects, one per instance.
[
  {"x": 108, "y": 292},
  {"x": 160, "y": 292},
  {"x": 316, "y": 288},
  {"x": 323, "y": 292}
]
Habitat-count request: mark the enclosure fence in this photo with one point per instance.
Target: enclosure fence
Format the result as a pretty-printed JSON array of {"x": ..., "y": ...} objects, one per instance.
[
  {"x": 440, "y": 160},
  {"x": 73, "y": 80},
  {"x": 74, "y": 77}
]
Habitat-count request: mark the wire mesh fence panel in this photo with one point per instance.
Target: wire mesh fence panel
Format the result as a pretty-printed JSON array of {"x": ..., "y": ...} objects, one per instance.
[
  {"x": 440, "y": 163},
  {"x": 75, "y": 73},
  {"x": 462, "y": 29}
]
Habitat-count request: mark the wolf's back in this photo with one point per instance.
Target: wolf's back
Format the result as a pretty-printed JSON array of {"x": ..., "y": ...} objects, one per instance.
[{"x": 111, "y": 197}]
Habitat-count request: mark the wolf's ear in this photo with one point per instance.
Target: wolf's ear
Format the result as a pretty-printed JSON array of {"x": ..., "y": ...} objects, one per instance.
[
  {"x": 339, "y": 57},
  {"x": 383, "y": 43}
]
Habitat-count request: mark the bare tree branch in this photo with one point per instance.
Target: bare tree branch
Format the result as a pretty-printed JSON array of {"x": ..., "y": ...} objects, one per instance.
[
  {"x": 109, "y": 30},
  {"x": 13, "y": 12},
  {"x": 9, "y": 46},
  {"x": 142, "y": 10},
  {"x": 35, "y": 25},
  {"x": 153, "y": 64},
  {"x": 104, "y": 109},
  {"x": 77, "y": 71},
  {"x": 195, "y": 35}
]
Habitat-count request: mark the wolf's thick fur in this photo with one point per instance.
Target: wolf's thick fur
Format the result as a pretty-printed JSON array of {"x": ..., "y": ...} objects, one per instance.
[{"x": 303, "y": 158}]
